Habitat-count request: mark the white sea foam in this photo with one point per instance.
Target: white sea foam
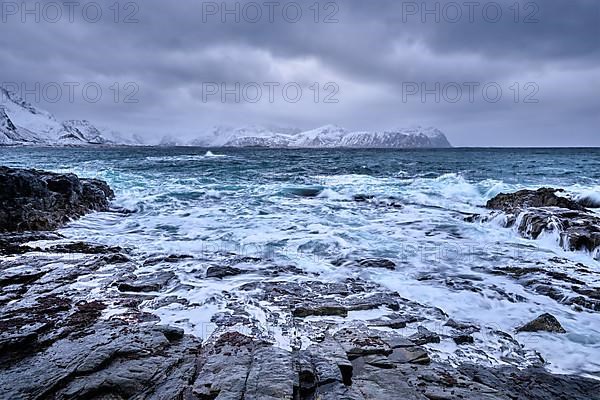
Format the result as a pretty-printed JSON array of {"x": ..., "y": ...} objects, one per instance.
[
  {"x": 311, "y": 221},
  {"x": 211, "y": 154},
  {"x": 589, "y": 198}
]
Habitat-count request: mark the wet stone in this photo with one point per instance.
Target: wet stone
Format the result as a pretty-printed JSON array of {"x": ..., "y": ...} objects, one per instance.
[
  {"x": 463, "y": 339},
  {"x": 413, "y": 355},
  {"x": 365, "y": 263},
  {"x": 545, "y": 322},
  {"x": 424, "y": 336},
  {"x": 393, "y": 321},
  {"x": 173, "y": 258},
  {"x": 221, "y": 272},
  {"x": 32, "y": 200},
  {"x": 148, "y": 283}
]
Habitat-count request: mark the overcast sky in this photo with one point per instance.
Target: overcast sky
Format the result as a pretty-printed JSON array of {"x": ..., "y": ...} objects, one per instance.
[{"x": 365, "y": 65}]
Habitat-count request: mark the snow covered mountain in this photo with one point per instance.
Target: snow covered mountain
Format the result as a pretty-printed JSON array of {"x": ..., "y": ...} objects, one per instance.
[
  {"x": 9, "y": 133},
  {"x": 252, "y": 136},
  {"x": 23, "y": 124},
  {"x": 329, "y": 136}
]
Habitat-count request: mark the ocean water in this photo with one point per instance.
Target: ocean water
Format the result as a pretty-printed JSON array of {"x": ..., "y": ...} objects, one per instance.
[{"x": 299, "y": 207}]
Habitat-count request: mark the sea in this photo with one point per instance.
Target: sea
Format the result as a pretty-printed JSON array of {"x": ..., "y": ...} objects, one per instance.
[{"x": 310, "y": 207}]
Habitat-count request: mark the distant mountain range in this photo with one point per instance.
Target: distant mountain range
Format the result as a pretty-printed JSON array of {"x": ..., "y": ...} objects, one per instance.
[
  {"x": 329, "y": 136},
  {"x": 22, "y": 124}
]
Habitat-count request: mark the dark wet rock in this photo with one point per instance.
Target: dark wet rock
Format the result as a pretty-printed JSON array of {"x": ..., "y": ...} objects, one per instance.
[
  {"x": 37, "y": 325},
  {"x": 357, "y": 343},
  {"x": 412, "y": 355},
  {"x": 279, "y": 270},
  {"x": 543, "y": 211},
  {"x": 520, "y": 272},
  {"x": 147, "y": 283},
  {"x": 424, "y": 336},
  {"x": 531, "y": 383},
  {"x": 22, "y": 277},
  {"x": 115, "y": 360},
  {"x": 463, "y": 339},
  {"x": 472, "y": 218},
  {"x": 32, "y": 200},
  {"x": 78, "y": 347},
  {"x": 314, "y": 298},
  {"x": 394, "y": 321},
  {"x": 173, "y": 258},
  {"x": 117, "y": 258},
  {"x": 322, "y": 309},
  {"x": 544, "y": 197},
  {"x": 545, "y": 322},
  {"x": 363, "y": 197},
  {"x": 559, "y": 280},
  {"x": 221, "y": 272},
  {"x": 472, "y": 284},
  {"x": 224, "y": 367},
  {"x": 160, "y": 302},
  {"x": 16, "y": 243},
  {"x": 87, "y": 357},
  {"x": 378, "y": 361},
  {"x": 84, "y": 248},
  {"x": 230, "y": 319},
  {"x": 171, "y": 333},
  {"x": 578, "y": 230},
  {"x": 341, "y": 307},
  {"x": 271, "y": 375},
  {"x": 365, "y": 263},
  {"x": 305, "y": 191},
  {"x": 462, "y": 327},
  {"x": 330, "y": 364},
  {"x": 370, "y": 199},
  {"x": 245, "y": 260}
]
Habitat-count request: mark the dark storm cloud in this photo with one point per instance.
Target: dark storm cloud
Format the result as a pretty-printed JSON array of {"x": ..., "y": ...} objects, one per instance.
[{"x": 375, "y": 52}]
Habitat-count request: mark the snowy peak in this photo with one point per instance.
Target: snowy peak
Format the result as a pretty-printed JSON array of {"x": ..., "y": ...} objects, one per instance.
[
  {"x": 248, "y": 136},
  {"x": 23, "y": 124},
  {"x": 328, "y": 136},
  {"x": 11, "y": 135},
  {"x": 12, "y": 97},
  {"x": 325, "y": 136},
  {"x": 8, "y": 131},
  {"x": 5, "y": 122},
  {"x": 81, "y": 132}
]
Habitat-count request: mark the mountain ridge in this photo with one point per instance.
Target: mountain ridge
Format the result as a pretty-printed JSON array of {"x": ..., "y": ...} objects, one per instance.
[
  {"x": 327, "y": 136},
  {"x": 22, "y": 124}
]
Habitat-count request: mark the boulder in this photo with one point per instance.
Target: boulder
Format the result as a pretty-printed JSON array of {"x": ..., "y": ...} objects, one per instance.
[
  {"x": 543, "y": 211},
  {"x": 544, "y": 197},
  {"x": 545, "y": 322},
  {"x": 32, "y": 200}
]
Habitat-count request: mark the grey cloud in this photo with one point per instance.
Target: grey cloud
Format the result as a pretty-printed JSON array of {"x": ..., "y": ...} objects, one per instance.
[{"x": 372, "y": 52}]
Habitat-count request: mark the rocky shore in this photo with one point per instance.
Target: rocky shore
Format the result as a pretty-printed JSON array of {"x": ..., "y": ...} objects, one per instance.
[
  {"x": 544, "y": 211},
  {"x": 81, "y": 321},
  {"x": 32, "y": 200}
]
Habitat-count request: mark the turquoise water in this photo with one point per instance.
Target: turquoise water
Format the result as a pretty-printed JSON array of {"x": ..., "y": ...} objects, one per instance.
[{"x": 300, "y": 207}]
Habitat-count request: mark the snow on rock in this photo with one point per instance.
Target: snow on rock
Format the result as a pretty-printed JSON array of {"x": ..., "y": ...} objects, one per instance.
[
  {"x": 328, "y": 136},
  {"x": 21, "y": 123},
  {"x": 11, "y": 135},
  {"x": 81, "y": 131}
]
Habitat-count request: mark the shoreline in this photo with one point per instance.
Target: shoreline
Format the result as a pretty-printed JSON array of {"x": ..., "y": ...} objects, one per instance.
[{"x": 59, "y": 302}]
